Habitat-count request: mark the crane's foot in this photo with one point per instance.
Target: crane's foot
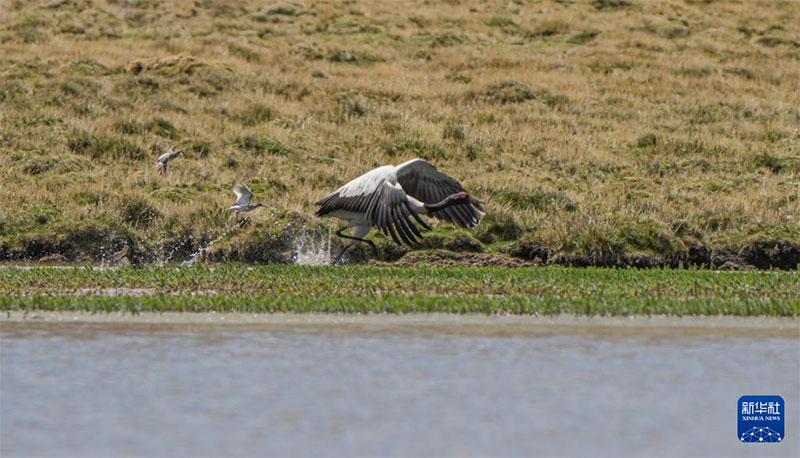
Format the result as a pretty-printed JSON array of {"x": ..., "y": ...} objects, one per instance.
[
  {"x": 337, "y": 260},
  {"x": 357, "y": 239},
  {"x": 338, "y": 257}
]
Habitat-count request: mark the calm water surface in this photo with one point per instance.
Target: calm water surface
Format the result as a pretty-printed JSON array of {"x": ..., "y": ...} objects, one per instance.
[{"x": 100, "y": 389}]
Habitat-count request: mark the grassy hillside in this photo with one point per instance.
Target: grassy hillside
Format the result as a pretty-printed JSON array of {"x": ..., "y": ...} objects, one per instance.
[
  {"x": 358, "y": 289},
  {"x": 597, "y": 131}
]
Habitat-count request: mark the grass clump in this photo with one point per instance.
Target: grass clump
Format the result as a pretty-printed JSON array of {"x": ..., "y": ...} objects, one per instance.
[
  {"x": 536, "y": 198},
  {"x": 255, "y": 114},
  {"x": 509, "y": 92},
  {"x": 283, "y": 10},
  {"x": 611, "y": 4},
  {"x": 353, "y": 57},
  {"x": 455, "y": 132},
  {"x": 771, "y": 42},
  {"x": 548, "y": 28},
  {"x": 36, "y": 165},
  {"x": 262, "y": 145},
  {"x": 104, "y": 146},
  {"x": 776, "y": 164},
  {"x": 583, "y": 37},
  {"x": 138, "y": 212},
  {"x": 416, "y": 148},
  {"x": 163, "y": 128}
]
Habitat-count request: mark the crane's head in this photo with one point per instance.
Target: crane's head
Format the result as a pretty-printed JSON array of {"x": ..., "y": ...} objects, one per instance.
[
  {"x": 462, "y": 197},
  {"x": 457, "y": 199}
]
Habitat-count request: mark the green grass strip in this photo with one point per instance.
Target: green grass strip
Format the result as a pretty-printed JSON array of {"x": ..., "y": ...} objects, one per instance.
[
  {"x": 489, "y": 290},
  {"x": 516, "y": 305},
  {"x": 299, "y": 280}
]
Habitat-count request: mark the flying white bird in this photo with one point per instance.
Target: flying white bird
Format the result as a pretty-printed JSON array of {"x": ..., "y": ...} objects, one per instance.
[
  {"x": 390, "y": 196},
  {"x": 161, "y": 163},
  {"x": 243, "y": 196}
]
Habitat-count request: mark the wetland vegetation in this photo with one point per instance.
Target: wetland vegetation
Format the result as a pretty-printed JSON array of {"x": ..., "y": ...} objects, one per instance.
[{"x": 358, "y": 289}]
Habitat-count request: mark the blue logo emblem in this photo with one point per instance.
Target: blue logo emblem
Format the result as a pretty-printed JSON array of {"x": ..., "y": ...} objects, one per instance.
[{"x": 761, "y": 418}]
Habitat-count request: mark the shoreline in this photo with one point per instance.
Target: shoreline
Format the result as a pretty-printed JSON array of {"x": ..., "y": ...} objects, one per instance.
[{"x": 469, "y": 324}]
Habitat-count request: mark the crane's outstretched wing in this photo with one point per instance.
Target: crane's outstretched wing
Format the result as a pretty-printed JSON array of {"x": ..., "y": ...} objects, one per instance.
[
  {"x": 243, "y": 194},
  {"x": 389, "y": 211},
  {"x": 386, "y": 208},
  {"x": 423, "y": 181}
]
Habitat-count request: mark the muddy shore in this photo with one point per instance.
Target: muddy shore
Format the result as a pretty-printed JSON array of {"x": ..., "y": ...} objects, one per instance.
[
  {"x": 776, "y": 254},
  {"x": 434, "y": 322}
]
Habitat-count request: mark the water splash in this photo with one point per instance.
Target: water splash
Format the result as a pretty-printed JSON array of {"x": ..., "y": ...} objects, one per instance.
[
  {"x": 203, "y": 249},
  {"x": 111, "y": 258},
  {"x": 165, "y": 255},
  {"x": 309, "y": 252}
]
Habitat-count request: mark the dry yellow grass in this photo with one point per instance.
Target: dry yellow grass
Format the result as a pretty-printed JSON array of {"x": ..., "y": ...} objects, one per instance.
[{"x": 592, "y": 128}]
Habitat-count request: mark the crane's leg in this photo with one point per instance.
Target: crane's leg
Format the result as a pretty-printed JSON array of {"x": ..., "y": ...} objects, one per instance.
[
  {"x": 341, "y": 253},
  {"x": 358, "y": 236}
]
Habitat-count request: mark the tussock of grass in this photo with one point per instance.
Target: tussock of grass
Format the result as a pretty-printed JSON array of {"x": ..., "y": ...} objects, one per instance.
[{"x": 584, "y": 36}]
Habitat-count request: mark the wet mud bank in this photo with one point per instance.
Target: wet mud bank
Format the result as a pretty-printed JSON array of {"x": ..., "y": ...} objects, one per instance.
[
  {"x": 771, "y": 254},
  {"x": 124, "y": 250},
  {"x": 439, "y": 323}
]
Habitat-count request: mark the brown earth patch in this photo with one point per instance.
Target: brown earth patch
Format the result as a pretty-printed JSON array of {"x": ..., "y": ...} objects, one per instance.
[{"x": 442, "y": 258}]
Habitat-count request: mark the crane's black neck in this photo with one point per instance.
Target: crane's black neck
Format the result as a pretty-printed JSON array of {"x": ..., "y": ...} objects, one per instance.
[{"x": 448, "y": 201}]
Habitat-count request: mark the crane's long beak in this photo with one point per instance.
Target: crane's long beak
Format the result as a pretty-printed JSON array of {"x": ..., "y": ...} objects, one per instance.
[{"x": 477, "y": 204}]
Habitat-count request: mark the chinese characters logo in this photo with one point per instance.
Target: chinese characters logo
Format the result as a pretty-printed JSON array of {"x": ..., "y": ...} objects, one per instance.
[{"x": 761, "y": 418}]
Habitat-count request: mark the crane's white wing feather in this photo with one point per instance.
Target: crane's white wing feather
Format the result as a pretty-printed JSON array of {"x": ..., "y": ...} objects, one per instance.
[{"x": 368, "y": 182}]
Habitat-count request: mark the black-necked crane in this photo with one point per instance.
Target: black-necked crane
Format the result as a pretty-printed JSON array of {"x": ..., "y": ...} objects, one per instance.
[
  {"x": 161, "y": 162},
  {"x": 243, "y": 196},
  {"x": 389, "y": 197}
]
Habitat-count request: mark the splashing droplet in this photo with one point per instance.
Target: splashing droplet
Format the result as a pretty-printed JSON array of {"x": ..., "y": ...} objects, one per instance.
[
  {"x": 196, "y": 255},
  {"x": 309, "y": 252}
]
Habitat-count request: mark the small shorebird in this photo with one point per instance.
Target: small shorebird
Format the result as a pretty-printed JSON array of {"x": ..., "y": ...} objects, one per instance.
[
  {"x": 389, "y": 196},
  {"x": 243, "y": 196},
  {"x": 161, "y": 163}
]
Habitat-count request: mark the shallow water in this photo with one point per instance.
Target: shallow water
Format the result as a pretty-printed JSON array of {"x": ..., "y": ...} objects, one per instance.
[{"x": 344, "y": 387}]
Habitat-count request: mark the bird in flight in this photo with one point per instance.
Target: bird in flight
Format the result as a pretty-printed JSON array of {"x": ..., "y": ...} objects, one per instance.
[
  {"x": 243, "y": 196},
  {"x": 391, "y": 198},
  {"x": 161, "y": 163}
]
